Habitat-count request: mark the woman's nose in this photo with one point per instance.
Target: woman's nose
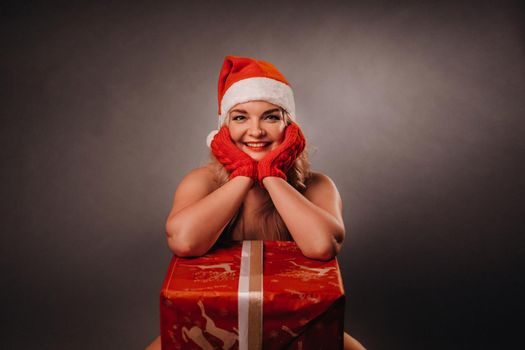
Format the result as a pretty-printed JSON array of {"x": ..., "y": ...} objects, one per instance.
[{"x": 256, "y": 130}]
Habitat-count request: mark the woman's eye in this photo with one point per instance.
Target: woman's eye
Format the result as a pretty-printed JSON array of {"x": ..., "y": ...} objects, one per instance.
[
  {"x": 238, "y": 117},
  {"x": 273, "y": 117}
]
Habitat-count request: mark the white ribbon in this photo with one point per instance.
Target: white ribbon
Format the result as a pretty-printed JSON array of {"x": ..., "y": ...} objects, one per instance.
[{"x": 250, "y": 296}]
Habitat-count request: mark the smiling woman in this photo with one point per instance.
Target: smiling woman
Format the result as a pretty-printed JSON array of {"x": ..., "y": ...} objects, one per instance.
[
  {"x": 258, "y": 185},
  {"x": 271, "y": 121},
  {"x": 256, "y": 127}
]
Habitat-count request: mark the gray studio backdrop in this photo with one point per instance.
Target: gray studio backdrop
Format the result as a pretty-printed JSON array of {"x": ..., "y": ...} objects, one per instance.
[{"x": 413, "y": 109}]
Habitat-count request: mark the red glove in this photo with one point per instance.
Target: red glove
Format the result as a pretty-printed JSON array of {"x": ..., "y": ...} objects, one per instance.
[
  {"x": 231, "y": 157},
  {"x": 281, "y": 159}
]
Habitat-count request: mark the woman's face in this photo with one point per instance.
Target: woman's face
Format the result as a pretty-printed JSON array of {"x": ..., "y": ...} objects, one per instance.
[{"x": 256, "y": 127}]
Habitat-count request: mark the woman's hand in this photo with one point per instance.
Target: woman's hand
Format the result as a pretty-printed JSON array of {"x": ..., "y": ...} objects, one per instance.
[
  {"x": 231, "y": 157},
  {"x": 281, "y": 159}
]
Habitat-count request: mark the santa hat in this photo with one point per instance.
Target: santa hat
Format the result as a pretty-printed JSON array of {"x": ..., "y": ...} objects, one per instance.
[{"x": 244, "y": 79}]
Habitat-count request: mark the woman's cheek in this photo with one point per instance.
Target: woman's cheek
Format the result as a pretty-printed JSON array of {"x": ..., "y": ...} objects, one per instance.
[
  {"x": 235, "y": 135},
  {"x": 275, "y": 145}
]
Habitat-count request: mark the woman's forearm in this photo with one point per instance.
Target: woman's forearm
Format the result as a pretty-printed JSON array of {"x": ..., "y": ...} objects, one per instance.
[
  {"x": 317, "y": 233},
  {"x": 193, "y": 230}
]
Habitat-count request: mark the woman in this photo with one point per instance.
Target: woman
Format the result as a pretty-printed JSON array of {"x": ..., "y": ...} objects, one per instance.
[{"x": 258, "y": 184}]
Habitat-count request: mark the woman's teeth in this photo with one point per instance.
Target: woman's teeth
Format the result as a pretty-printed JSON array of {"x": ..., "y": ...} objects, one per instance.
[{"x": 257, "y": 146}]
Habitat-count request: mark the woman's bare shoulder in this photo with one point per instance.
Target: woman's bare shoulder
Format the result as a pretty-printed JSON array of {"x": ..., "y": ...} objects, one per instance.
[
  {"x": 197, "y": 184},
  {"x": 316, "y": 178},
  {"x": 320, "y": 185},
  {"x": 201, "y": 177}
]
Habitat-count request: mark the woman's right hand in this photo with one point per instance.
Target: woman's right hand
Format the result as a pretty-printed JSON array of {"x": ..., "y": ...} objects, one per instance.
[{"x": 231, "y": 157}]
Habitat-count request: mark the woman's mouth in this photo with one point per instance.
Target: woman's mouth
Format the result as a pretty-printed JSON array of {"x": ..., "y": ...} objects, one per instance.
[{"x": 257, "y": 146}]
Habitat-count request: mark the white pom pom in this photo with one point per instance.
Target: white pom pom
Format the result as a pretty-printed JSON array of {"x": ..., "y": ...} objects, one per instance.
[{"x": 210, "y": 137}]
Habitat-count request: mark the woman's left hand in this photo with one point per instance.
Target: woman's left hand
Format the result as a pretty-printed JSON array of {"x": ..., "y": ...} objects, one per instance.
[{"x": 281, "y": 159}]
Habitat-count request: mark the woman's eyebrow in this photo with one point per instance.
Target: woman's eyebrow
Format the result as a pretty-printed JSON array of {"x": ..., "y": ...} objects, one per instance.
[
  {"x": 264, "y": 113},
  {"x": 271, "y": 111},
  {"x": 238, "y": 111}
]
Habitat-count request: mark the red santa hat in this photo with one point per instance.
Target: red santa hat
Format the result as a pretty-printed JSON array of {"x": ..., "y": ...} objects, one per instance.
[{"x": 244, "y": 79}]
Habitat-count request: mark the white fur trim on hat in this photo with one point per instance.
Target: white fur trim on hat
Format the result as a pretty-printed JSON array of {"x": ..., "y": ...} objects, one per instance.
[
  {"x": 258, "y": 89},
  {"x": 210, "y": 137}
]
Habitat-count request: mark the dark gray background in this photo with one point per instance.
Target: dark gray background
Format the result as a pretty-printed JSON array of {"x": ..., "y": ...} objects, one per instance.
[{"x": 413, "y": 109}]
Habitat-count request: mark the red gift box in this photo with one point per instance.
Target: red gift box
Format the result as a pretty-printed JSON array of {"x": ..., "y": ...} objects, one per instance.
[{"x": 252, "y": 295}]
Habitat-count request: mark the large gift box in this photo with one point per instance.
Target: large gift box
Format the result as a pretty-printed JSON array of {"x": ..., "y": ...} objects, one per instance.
[{"x": 252, "y": 295}]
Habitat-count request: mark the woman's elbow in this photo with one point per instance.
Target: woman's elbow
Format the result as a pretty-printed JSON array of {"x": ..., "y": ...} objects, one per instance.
[
  {"x": 322, "y": 255},
  {"x": 325, "y": 250},
  {"x": 321, "y": 252},
  {"x": 180, "y": 245},
  {"x": 179, "y": 248}
]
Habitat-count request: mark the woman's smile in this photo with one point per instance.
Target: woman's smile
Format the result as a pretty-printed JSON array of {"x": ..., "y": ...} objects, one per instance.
[{"x": 257, "y": 146}]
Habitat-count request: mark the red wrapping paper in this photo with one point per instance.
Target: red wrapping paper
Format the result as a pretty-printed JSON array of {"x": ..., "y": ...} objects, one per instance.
[{"x": 303, "y": 300}]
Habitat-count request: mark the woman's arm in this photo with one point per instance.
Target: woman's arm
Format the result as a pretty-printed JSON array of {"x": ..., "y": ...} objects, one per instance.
[
  {"x": 201, "y": 211},
  {"x": 314, "y": 220}
]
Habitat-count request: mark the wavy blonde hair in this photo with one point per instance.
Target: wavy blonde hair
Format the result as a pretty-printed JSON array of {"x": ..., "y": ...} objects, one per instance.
[{"x": 269, "y": 220}]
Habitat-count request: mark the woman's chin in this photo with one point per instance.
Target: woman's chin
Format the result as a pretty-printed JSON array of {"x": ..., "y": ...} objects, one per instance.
[{"x": 257, "y": 157}]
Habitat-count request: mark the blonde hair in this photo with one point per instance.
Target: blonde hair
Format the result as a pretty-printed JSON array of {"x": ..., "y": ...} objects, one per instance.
[{"x": 269, "y": 220}]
